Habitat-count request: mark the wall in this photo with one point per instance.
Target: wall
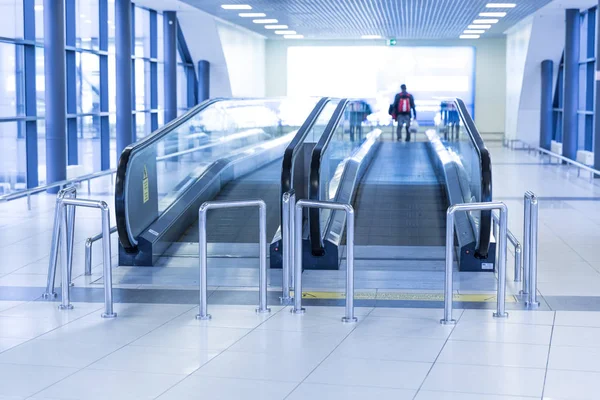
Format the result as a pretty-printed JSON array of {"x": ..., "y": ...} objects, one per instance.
[{"x": 490, "y": 77}]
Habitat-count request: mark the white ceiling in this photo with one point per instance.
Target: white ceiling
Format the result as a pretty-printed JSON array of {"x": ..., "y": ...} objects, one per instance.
[{"x": 350, "y": 19}]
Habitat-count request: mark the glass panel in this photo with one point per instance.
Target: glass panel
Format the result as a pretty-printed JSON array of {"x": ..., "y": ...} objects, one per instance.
[
  {"x": 88, "y": 83},
  {"x": 580, "y": 132},
  {"x": 161, "y": 86},
  {"x": 88, "y": 133},
  {"x": 175, "y": 161},
  {"x": 160, "y": 37},
  {"x": 11, "y": 19},
  {"x": 40, "y": 83},
  {"x": 41, "y": 146},
  {"x": 182, "y": 102},
  {"x": 140, "y": 85},
  {"x": 13, "y": 162},
  {"x": 112, "y": 121},
  {"x": 87, "y": 26},
  {"x": 112, "y": 83},
  {"x": 582, "y": 86},
  {"x": 39, "y": 20},
  {"x": 142, "y": 32},
  {"x": 12, "y": 99}
]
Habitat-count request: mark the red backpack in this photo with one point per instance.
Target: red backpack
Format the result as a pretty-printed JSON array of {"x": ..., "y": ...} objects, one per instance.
[{"x": 404, "y": 103}]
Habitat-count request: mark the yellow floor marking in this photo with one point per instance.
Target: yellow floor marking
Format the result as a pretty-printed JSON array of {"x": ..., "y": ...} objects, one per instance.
[{"x": 409, "y": 296}]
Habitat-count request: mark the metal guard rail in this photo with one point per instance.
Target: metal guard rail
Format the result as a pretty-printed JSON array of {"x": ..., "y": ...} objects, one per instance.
[
  {"x": 60, "y": 184},
  {"x": 485, "y": 164},
  {"x": 316, "y": 240},
  {"x": 123, "y": 166}
]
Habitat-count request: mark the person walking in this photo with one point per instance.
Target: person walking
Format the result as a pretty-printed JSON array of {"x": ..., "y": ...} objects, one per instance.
[{"x": 403, "y": 107}]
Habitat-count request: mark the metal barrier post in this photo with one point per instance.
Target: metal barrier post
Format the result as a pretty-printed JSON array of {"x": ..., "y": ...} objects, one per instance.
[
  {"x": 526, "y": 243},
  {"x": 106, "y": 251},
  {"x": 532, "y": 301},
  {"x": 518, "y": 267},
  {"x": 347, "y": 208},
  {"x": 203, "y": 256},
  {"x": 88, "y": 250},
  {"x": 288, "y": 202},
  {"x": 68, "y": 192},
  {"x": 517, "y": 245},
  {"x": 502, "y": 239}
]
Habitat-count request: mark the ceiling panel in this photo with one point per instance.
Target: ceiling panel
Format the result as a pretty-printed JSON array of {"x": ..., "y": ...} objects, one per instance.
[{"x": 350, "y": 19}]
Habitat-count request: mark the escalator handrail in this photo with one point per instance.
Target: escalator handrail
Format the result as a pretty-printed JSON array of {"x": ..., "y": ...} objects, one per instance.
[
  {"x": 485, "y": 164},
  {"x": 125, "y": 158},
  {"x": 289, "y": 156},
  {"x": 316, "y": 239}
]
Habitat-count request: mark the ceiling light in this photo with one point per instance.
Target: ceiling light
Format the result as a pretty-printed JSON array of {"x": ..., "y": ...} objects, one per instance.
[
  {"x": 293, "y": 36},
  {"x": 276, "y": 26},
  {"x": 480, "y": 26},
  {"x": 476, "y": 31},
  {"x": 285, "y": 32},
  {"x": 501, "y": 5},
  {"x": 371, "y": 37},
  {"x": 469, "y": 36},
  {"x": 252, "y": 15},
  {"x": 493, "y": 14},
  {"x": 236, "y": 7},
  {"x": 265, "y": 21},
  {"x": 486, "y": 21},
  {"x": 38, "y": 7}
]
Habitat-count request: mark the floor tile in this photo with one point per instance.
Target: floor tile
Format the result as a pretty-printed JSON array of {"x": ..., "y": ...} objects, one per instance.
[
  {"x": 8, "y": 343},
  {"x": 494, "y": 353},
  {"x": 514, "y": 317},
  {"x": 227, "y": 389},
  {"x": 262, "y": 366},
  {"x": 59, "y": 353},
  {"x": 26, "y": 328},
  {"x": 572, "y": 385},
  {"x": 506, "y": 333},
  {"x": 26, "y": 380},
  {"x": 367, "y": 372},
  {"x": 430, "y": 395},
  {"x": 575, "y": 336},
  {"x": 575, "y": 358},
  {"x": 267, "y": 341},
  {"x": 390, "y": 348},
  {"x": 578, "y": 318},
  {"x": 434, "y": 314},
  {"x": 192, "y": 337},
  {"x": 309, "y": 322},
  {"x": 92, "y": 384},
  {"x": 244, "y": 317},
  {"x": 403, "y": 327},
  {"x": 485, "y": 380},
  {"x": 317, "y": 391}
]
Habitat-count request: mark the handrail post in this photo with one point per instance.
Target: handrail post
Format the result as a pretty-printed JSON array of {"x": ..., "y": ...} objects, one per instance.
[
  {"x": 501, "y": 292},
  {"x": 297, "y": 309},
  {"x": 526, "y": 243},
  {"x": 532, "y": 301},
  {"x": 71, "y": 239},
  {"x": 448, "y": 283},
  {"x": 88, "y": 257},
  {"x": 203, "y": 256},
  {"x": 288, "y": 202},
  {"x": 107, "y": 263},
  {"x": 64, "y": 255},
  {"x": 202, "y": 307},
  {"x": 518, "y": 258},
  {"x": 68, "y": 192},
  {"x": 349, "y": 317}
]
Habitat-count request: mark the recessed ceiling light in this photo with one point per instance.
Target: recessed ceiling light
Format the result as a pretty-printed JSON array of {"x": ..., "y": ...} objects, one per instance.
[
  {"x": 285, "y": 32},
  {"x": 252, "y": 15},
  {"x": 371, "y": 37},
  {"x": 236, "y": 7},
  {"x": 265, "y": 21},
  {"x": 486, "y": 21},
  {"x": 493, "y": 14},
  {"x": 501, "y": 5},
  {"x": 276, "y": 26},
  {"x": 476, "y": 31},
  {"x": 480, "y": 26},
  {"x": 469, "y": 36},
  {"x": 293, "y": 36}
]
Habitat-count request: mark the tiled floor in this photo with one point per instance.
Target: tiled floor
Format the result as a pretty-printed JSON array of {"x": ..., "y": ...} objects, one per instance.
[{"x": 160, "y": 351}]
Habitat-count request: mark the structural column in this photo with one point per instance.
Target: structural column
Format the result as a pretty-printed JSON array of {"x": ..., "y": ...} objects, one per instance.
[
  {"x": 546, "y": 109},
  {"x": 124, "y": 74},
  {"x": 170, "y": 54},
  {"x": 571, "y": 82},
  {"x": 203, "y": 80},
  {"x": 55, "y": 81},
  {"x": 596, "y": 147}
]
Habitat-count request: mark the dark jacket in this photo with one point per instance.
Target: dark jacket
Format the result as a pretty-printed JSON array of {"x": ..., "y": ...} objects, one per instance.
[{"x": 397, "y": 101}]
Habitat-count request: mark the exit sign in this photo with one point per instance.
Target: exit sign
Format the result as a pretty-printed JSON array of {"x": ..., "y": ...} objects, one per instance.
[{"x": 392, "y": 42}]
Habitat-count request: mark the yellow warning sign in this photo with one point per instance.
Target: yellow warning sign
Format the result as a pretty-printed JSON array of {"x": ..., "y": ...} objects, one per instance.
[
  {"x": 145, "y": 186},
  {"x": 406, "y": 296}
]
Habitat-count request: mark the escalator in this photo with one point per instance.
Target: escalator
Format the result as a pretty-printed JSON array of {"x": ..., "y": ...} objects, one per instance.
[
  {"x": 400, "y": 193},
  {"x": 221, "y": 150}
]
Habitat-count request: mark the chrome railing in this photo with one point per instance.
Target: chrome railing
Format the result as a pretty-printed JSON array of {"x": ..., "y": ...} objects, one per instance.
[{"x": 60, "y": 184}]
